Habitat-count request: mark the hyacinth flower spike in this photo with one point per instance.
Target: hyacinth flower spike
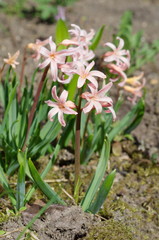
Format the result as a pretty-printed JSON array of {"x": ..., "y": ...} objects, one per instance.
[{"x": 60, "y": 107}]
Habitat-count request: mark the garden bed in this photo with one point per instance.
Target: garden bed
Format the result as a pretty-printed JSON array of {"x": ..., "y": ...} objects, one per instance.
[{"x": 131, "y": 210}]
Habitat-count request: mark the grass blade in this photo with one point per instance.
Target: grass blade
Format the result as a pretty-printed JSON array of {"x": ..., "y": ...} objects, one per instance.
[
  {"x": 98, "y": 176},
  {"x": 61, "y": 33},
  {"x": 102, "y": 193},
  {"x": 97, "y": 38},
  {"x": 45, "y": 188}
]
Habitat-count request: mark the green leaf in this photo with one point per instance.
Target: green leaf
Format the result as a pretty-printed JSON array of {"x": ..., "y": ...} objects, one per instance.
[
  {"x": 89, "y": 146},
  {"x": 20, "y": 195},
  {"x": 129, "y": 121},
  {"x": 4, "y": 182},
  {"x": 2, "y": 232},
  {"x": 11, "y": 98},
  {"x": 61, "y": 33},
  {"x": 44, "y": 187},
  {"x": 72, "y": 87},
  {"x": 98, "y": 176},
  {"x": 102, "y": 193},
  {"x": 97, "y": 38}
]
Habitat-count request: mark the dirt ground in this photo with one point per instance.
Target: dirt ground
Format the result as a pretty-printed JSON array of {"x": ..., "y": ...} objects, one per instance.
[{"x": 132, "y": 209}]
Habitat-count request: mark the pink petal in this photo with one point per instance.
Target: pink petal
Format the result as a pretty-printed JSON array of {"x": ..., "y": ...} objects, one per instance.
[
  {"x": 51, "y": 103},
  {"x": 45, "y": 63},
  {"x": 105, "y": 89},
  {"x": 125, "y": 60},
  {"x": 69, "y": 111},
  {"x": 112, "y": 111},
  {"x": 52, "y": 45},
  {"x": 88, "y": 107},
  {"x": 97, "y": 74},
  {"x": 54, "y": 70},
  {"x": 89, "y": 67},
  {"x": 68, "y": 42},
  {"x": 93, "y": 90},
  {"x": 70, "y": 104},
  {"x": 52, "y": 113},
  {"x": 93, "y": 81},
  {"x": 63, "y": 96},
  {"x": 61, "y": 118},
  {"x": 111, "y": 45},
  {"x": 97, "y": 106},
  {"x": 81, "y": 82},
  {"x": 65, "y": 81},
  {"x": 121, "y": 43},
  {"x": 111, "y": 58},
  {"x": 44, "y": 51},
  {"x": 54, "y": 94}
]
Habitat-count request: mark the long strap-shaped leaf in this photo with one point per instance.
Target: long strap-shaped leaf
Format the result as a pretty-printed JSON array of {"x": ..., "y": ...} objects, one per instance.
[
  {"x": 61, "y": 33},
  {"x": 130, "y": 120},
  {"x": 9, "y": 191},
  {"x": 45, "y": 188},
  {"x": 20, "y": 195},
  {"x": 5, "y": 119},
  {"x": 102, "y": 193},
  {"x": 97, "y": 38},
  {"x": 98, "y": 177}
]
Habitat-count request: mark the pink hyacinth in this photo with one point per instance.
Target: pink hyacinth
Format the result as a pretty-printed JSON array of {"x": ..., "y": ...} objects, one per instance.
[
  {"x": 79, "y": 37},
  {"x": 97, "y": 99},
  {"x": 60, "y": 107},
  {"x": 36, "y": 47},
  {"x": 86, "y": 73},
  {"x": 134, "y": 86},
  {"x": 118, "y": 54},
  {"x": 54, "y": 58},
  {"x": 118, "y": 71},
  {"x": 11, "y": 60}
]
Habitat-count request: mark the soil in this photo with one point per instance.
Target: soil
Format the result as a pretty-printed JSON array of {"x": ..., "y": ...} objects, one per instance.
[{"x": 132, "y": 208}]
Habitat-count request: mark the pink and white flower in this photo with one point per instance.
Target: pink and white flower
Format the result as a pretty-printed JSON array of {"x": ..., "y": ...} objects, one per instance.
[
  {"x": 60, "y": 107},
  {"x": 119, "y": 71},
  {"x": 134, "y": 86},
  {"x": 80, "y": 37},
  {"x": 86, "y": 73},
  {"x": 118, "y": 54},
  {"x": 54, "y": 58},
  {"x": 97, "y": 99},
  {"x": 36, "y": 47},
  {"x": 11, "y": 60}
]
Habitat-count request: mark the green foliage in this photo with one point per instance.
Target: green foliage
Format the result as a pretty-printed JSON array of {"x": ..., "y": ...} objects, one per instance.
[
  {"x": 141, "y": 52},
  {"x": 98, "y": 189},
  {"x": 45, "y": 10},
  {"x": 13, "y": 130},
  {"x": 97, "y": 38}
]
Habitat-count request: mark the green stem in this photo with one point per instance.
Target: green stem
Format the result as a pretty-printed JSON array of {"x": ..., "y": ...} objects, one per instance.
[{"x": 77, "y": 142}]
